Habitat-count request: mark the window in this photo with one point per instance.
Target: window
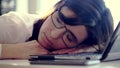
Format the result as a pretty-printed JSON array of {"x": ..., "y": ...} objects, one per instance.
[
  {"x": 113, "y": 5},
  {"x": 45, "y": 5}
]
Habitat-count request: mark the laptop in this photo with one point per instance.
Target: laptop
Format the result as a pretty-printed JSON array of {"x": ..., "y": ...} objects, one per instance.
[{"x": 111, "y": 52}]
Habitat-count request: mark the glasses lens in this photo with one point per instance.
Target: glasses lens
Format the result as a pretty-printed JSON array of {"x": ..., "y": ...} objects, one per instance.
[{"x": 69, "y": 40}]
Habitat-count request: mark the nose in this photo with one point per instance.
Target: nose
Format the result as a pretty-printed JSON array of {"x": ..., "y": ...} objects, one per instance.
[{"x": 57, "y": 33}]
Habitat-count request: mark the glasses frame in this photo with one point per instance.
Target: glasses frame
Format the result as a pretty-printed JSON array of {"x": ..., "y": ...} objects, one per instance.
[{"x": 64, "y": 26}]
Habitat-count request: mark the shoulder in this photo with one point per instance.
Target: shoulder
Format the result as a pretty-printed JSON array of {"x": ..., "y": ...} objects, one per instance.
[
  {"x": 18, "y": 16},
  {"x": 17, "y": 19},
  {"x": 16, "y": 27}
]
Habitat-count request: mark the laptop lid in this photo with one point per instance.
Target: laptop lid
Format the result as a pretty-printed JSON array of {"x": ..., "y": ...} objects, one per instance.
[{"x": 113, "y": 47}]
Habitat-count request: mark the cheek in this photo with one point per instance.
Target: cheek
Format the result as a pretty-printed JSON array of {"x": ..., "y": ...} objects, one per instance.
[
  {"x": 47, "y": 24},
  {"x": 46, "y": 27},
  {"x": 58, "y": 44},
  {"x": 80, "y": 32}
]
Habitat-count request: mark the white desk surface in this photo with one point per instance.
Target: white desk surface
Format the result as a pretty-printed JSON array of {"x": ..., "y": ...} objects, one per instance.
[{"x": 25, "y": 64}]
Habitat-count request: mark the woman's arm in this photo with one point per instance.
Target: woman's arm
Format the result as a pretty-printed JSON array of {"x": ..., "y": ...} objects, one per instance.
[
  {"x": 22, "y": 50},
  {"x": 76, "y": 50}
]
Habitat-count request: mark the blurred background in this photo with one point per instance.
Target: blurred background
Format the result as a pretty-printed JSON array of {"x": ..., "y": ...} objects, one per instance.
[
  {"x": 42, "y": 6},
  {"x": 26, "y": 6}
]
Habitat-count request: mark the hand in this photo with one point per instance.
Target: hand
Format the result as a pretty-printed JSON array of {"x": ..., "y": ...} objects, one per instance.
[
  {"x": 74, "y": 50},
  {"x": 22, "y": 50},
  {"x": 33, "y": 48}
]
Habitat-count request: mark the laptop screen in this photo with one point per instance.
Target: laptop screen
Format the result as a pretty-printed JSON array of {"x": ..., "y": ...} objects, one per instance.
[{"x": 113, "y": 48}]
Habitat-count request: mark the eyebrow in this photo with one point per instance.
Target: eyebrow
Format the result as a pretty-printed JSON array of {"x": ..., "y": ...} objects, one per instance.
[{"x": 69, "y": 21}]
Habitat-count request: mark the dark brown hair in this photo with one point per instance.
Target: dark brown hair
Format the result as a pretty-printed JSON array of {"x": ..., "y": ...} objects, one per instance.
[{"x": 94, "y": 15}]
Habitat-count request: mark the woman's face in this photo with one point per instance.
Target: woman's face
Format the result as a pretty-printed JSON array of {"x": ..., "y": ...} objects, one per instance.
[{"x": 55, "y": 34}]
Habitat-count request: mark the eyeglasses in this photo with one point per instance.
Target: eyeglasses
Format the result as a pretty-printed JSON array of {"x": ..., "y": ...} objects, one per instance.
[{"x": 68, "y": 37}]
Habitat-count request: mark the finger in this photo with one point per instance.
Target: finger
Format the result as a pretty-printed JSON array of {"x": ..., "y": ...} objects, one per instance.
[
  {"x": 77, "y": 51},
  {"x": 57, "y": 51},
  {"x": 81, "y": 50},
  {"x": 63, "y": 51}
]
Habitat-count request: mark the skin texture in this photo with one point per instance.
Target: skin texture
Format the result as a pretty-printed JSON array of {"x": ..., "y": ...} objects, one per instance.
[
  {"x": 56, "y": 37},
  {"x": 22, "y": 50},
  {"x": 50, "y": 37}
]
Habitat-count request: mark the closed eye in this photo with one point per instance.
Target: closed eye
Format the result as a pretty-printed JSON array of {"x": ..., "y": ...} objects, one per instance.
[{"x": 71, "y": 38}]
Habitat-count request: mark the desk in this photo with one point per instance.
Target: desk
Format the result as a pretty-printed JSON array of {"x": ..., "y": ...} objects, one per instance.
[{"x": 25, "y": 64}]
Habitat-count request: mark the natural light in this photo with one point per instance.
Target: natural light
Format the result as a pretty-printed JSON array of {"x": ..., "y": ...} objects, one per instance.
[
  {"x": 114, "y": 7},
  {"x": 45, "y": 5}
]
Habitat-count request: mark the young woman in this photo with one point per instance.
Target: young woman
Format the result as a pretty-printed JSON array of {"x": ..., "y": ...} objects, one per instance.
[{"x": 73, "y": 26}]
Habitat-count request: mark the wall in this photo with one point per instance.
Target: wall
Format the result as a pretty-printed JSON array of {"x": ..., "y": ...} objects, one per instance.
[
  {"x": 41, "y": 6},
  {"x": 114, "y": 7},
  {"x": 22, "y": 5},
  {"x": 34, "y": 6}
]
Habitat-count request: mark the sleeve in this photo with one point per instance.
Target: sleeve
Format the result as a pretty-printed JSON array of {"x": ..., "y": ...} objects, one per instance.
[{"x": 15, "y": 27}]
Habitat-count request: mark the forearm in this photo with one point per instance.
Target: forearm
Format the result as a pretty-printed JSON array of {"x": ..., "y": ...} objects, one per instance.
[
  {"x": 10, "y": 51},
  {"x": 22, "y": 50}
]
